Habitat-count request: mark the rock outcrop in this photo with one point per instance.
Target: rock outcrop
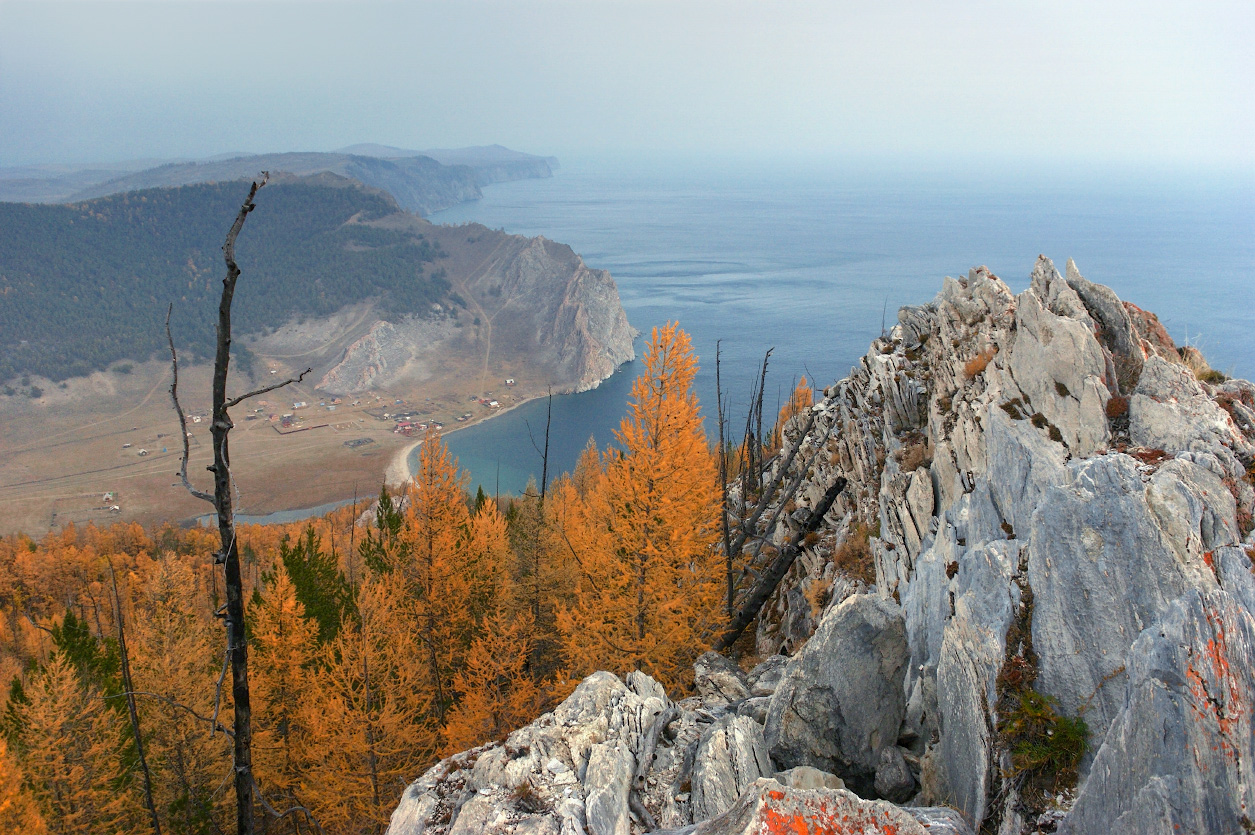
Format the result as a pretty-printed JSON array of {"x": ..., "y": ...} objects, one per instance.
[
  {"x": 529, "y": 303},
  {"x": 1046, "y": 465},
  {"x": 1058, "y": 508}
]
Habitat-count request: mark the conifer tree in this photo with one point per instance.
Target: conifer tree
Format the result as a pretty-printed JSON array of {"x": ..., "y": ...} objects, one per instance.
[
  {"x": 285, "y": 644},
  {"x": 72, "y": 754},
  {"x": 172, "y": 651},
  {"x": 18, "y": 811},
  {"x": 496, "y": 694},
  {"x": 644, "y": 535},
  {"x": 437, "y": 568},
  {"x": 369, "y": 715}
]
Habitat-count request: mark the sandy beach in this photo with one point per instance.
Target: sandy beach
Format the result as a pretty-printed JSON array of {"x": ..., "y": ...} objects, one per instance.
[{"x": 399, "y": 472}]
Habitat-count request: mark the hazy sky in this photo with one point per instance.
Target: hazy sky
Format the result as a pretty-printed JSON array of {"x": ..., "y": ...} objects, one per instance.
[{"x": 1165, "y": 83}]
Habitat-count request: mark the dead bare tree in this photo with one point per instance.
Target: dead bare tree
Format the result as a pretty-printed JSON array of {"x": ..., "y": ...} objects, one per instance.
[
  {"x": 766, "y": 490},
  {"x": 221, "y": 498},
  {"x": 767, "y": 582},
  {"x": 132, "y": 712}
]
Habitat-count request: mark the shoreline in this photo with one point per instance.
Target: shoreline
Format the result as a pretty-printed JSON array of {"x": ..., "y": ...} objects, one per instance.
[{"x": 398, "y": 471}]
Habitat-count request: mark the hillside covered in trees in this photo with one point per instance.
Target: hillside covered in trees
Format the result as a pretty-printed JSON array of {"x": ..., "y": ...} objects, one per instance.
[
  {"x": 88, "y": 285},
  {"x": 378, "y": 642}
]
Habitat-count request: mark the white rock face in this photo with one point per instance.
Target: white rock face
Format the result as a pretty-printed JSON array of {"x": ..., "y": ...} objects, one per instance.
[
  {"x": 1035, "y": 509},
  {"x": 1000, "y": 500}
]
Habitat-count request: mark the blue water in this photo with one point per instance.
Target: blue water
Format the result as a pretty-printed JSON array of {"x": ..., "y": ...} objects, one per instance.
[{"x": 806, "y": 260}]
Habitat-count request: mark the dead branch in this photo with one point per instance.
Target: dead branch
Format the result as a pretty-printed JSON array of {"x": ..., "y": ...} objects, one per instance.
[
  {"x": 214, "y": 725},
  {"x": 773, "y": 486},
  {"x": 178, "y": 409},
  {"x": 278, "y": 816},
  {"x": 237, "y": 401},
  {"x": 767, "y": 584},
  {"x": 645, "y": 762},
  {"x": 130, "y": 702}
]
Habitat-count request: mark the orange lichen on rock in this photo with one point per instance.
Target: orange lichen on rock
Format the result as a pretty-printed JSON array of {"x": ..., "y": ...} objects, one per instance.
[
  {"x": 794, "y": 812},
  {"x": 1224, "y": 706}
]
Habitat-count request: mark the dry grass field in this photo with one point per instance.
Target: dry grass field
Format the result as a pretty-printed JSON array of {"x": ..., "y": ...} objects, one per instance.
[{"x": 118, "y": 434}]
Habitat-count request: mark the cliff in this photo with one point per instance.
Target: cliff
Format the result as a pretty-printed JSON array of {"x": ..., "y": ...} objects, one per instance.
[
  {"x": 519, "y": 303},
  {"x": 1031, "y": 610}
]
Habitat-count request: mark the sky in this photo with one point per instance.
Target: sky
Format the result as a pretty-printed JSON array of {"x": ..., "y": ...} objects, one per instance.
[{"x": 1153, "y": 83}]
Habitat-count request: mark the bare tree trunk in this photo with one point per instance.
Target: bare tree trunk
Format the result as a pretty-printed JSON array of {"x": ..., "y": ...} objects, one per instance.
[
  {"x": 229, "y": 556},
  {"x": 129, "y": 687},
  {"x": 544, "y": 464},
  {"x": 723, "y": 488},
  {"x": 771, "y": 578}
]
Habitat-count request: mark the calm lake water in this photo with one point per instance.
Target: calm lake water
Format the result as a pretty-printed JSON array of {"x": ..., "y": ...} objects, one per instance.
[{"x": 806, "y": 261}]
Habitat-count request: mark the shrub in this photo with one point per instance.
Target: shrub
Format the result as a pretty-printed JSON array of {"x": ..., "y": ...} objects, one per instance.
[
  {"x": 913, "y": 453},
  {"x": 1117, "y": 407},
  {"x": 977, "y": 364},
  {"x": 854, "y": 555},
  {"x": 1211, "y": 376},
  {"x": 1062, "y": 389},
  {"x": 1012, "y": 408},
  {"x": 1045, "y": 746}
]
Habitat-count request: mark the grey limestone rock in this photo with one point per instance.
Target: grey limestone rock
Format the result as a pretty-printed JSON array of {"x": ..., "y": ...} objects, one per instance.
[
  {"x": 1169, "y": 410},
  {"x": 1180, "y": 753},
  {"x": 894, "y": 780},
  {"x": 716, "y": 676},
  {"x": 1102, "y": 569},
  {"x": 805, "y": 777},
  {"x": 765, "y": 677},
  {"x": 755, "y": 708},
  {"x": 1114, "y": 327},
  {"x": 769, "y": 806},
  {"x": 841, "y": 700},
  {"x": 608, "y": 781},
  {"x": 1058, "y": 365},
  {"x": 730, "y": 756}
]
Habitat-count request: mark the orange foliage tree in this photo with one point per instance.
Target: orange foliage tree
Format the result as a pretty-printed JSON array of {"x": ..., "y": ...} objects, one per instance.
[
  {"x": 285, "y": 646},
  {"x": 18, "y": 812},
  {"x": 496, "y": 693},
  {"x": 368, "y": 715},
  {"x": 644, "y": 535}
]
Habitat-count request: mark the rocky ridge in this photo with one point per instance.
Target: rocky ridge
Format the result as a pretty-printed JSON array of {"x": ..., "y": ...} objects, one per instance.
[{"x": 1056, "y": 502}]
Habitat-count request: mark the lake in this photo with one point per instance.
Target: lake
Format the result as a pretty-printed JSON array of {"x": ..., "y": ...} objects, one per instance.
[{"x": 810, "y": 259}]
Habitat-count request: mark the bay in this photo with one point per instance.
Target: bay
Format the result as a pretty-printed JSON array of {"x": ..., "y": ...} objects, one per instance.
[{"x": 810, "y": 259}]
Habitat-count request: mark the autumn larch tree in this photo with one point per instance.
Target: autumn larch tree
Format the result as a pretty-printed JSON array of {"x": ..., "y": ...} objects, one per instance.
[{"x": 644, "y": 536}]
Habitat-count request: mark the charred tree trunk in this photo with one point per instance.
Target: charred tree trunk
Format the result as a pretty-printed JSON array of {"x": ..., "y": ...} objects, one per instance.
[
  {"x": 780, "y": 566},
  {"x": 229, "y": 555}
]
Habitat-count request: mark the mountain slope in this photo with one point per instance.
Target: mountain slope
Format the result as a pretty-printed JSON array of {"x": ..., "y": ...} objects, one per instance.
[
  {"x": 1056, "y": 634},
  {"x": 84, "y": 286},
  {"x": 419, "y": 184}
]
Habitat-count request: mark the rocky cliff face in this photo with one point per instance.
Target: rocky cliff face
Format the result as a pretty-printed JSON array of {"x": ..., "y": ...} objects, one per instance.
[
  {"x": 542, "y": 299},
  {"x": 527, "y": 301},
  {"x": 1055, "y": 505}
]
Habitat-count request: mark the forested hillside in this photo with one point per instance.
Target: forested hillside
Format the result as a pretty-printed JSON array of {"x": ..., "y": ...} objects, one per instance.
[
  {"x": 377, "y": 644},
  {"x": 87, "y": 285}
]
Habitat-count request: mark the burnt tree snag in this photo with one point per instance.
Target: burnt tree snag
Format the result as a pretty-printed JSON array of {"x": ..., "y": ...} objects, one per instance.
[
  {"x": 771, "y": 577},
  {"x": 229, "y": 556}
]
